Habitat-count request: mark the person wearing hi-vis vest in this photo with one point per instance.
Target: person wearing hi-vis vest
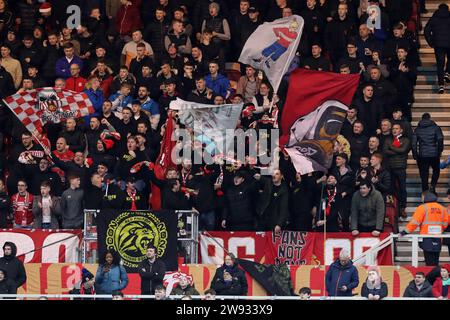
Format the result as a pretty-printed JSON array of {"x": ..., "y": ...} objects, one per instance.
[{"x": 432, "y": 218}]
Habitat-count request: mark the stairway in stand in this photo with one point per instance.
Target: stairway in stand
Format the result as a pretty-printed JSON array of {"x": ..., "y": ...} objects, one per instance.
[{"x": 438, "y": 105}]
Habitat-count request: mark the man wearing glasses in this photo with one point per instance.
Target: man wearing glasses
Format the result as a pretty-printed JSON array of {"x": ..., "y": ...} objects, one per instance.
[{"x": 22, "y": 203}]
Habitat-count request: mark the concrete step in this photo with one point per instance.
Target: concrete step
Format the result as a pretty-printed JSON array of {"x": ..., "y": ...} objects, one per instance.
[
  {"x": 440, "y": 97},
  {"x": 438, "y": 117},
  {"x": 425, "y": 52},
  {"x": 427, "y": 68},
  {"x": 408, "y": 260},
  {"x": 418, "y": 190},
  {"x": 445, "y": 153},
  {"x": 442, "y": 124},
  {"x": 428, "y": 87}
]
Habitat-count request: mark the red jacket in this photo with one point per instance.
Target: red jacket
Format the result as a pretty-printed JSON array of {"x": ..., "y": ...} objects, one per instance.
[
  {"x": 437, "y": 289},
  {"x": 75, "y": 84},
  {"x": 129, "y": 18},
  {"x": 22, "y": 208}
]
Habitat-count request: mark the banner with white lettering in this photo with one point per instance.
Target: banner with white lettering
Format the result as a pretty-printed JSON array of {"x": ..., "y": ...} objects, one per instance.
[{"x": 289, "y": 247}]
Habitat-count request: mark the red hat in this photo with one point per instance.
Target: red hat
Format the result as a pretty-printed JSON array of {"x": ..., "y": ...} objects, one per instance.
[{"x": 45, "y": 7}]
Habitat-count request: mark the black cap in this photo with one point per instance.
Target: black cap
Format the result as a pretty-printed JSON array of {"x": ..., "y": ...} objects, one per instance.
[{"x": 252, "y": 9}]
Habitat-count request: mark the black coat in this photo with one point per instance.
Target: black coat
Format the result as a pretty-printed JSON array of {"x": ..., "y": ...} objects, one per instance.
[
  {"x": 238, "y": 286},
  {"x": 370, "y": 113},
  {"x": 50, "y": 176},
  {"x": 273, "y": 205},
  {"x": 239, "y": 203},
  {"x": 337, "y": 33},
  {"x": 14, "y": 267},
  {"x": 75, "y": 139},
  {"x": 382, "y": 291},
  {"x": 154, "y": 34},
  {"x": 396, "y": 157},
  {"x": 384, "y": 181},
  {"x": 425, "y": 292},
  {"x": 8, "y": 286},
  {"x": 6, "y": 83},
  {"x": 437, "y": 29},
  {"x": 427, "y": 140},
  {"x": 359, "y": 145},
  {"x": 5, "y": 208},
  {"x": 151, "y": 275}
]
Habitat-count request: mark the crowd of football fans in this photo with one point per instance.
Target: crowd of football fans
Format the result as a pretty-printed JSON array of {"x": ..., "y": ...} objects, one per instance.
[{"x": 132, "y": 58}]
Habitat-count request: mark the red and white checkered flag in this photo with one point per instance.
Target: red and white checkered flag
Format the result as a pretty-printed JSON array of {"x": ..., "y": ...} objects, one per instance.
[{"x": 36, "y": 107}]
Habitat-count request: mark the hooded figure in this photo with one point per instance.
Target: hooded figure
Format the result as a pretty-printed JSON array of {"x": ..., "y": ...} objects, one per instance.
[
  {"x": 7, "y": 286},
  {"x": 12, "y": 266},
  {"x": 86, "y": 284},
  {"x": 374, "y": 288}
]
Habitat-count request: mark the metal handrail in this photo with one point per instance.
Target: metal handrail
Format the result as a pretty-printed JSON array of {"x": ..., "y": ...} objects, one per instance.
[{"x": 368, "y": 256}]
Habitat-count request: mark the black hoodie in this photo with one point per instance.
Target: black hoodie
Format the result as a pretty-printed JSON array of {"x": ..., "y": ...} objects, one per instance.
[
  {"x": 14, "y": 267},
  {"x": 7, "y": 286},
  {"x": 436, "y": 30}
]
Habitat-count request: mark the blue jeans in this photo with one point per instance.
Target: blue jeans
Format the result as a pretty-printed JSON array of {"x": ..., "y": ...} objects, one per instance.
[
  {"x": 17, "y": 226},
  {"x": 207, "y": 220},
  {"x": 274, "y": 51},
  {"x": 46, "y": 226}
]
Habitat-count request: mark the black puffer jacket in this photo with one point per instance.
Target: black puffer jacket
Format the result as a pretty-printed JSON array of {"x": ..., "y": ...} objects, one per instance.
[
  {"x": 7, "y": 286},
  {"x": 239, "y": 203},
  {"x": 237, "y": 287},
  {"x": 397, "y": 156},
  {"x": 14, "y": 267},
  {"x": 427, "y": 140},
  {"x": 437, "y": 29}
]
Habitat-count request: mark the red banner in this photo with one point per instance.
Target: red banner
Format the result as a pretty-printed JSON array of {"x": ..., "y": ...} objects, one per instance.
[
  {"x": 291, "y": 247},
  {"x": 59, "y": 278},
  {"x": 43, "y": 246}
]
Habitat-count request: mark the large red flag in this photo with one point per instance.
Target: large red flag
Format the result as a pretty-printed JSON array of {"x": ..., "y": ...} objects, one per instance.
[
  {"x": 164, "y": 161},
  {"x": 313, "y": 114}
]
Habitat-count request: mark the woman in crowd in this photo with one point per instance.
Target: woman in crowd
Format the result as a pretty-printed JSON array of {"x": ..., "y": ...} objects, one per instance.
[
  {"x": 111, "y": 275},
  {"x": 374, "y": 288}
]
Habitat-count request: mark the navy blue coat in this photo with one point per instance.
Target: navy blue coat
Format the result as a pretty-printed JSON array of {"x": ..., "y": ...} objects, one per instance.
[{"x": 338, "y": 276}]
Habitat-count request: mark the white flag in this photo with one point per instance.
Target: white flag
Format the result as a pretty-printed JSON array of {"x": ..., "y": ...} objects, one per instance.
[
  {"x": 213, "y": 125},
  {"x": 272, "y": 47}
]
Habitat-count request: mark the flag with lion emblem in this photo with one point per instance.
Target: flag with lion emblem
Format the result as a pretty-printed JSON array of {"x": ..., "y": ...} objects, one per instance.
[{"x": 131, "y": 232}]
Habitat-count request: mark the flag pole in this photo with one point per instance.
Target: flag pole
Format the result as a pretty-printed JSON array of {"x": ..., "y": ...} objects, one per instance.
[{"x": 324, "y": 238}]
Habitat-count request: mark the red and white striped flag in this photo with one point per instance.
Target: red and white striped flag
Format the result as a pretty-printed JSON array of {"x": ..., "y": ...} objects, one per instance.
[{"x": 36, "y": 107}]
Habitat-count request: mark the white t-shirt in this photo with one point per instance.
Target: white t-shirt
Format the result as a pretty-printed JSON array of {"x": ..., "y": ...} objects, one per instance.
[{"x": 46, "y": 211}]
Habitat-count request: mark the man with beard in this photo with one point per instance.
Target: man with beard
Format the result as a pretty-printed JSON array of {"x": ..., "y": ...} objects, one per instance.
[
  {"x": 45, "y": 174},
  {"x": 274, "y": 203},
  {"x": 329, "y": 216},
  {"x": 152, "y": 271}
]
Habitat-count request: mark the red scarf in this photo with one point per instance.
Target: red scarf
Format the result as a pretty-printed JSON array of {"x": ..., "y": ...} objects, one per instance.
[
  {"x": 397, "y": 142},
  {"x": 185, "y": 177},
  {"x": 331, "y": 197},
  {"x": 133, "y": 199}
]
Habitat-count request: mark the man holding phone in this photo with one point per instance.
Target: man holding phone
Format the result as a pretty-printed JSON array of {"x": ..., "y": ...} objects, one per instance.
[{"x": 342, "y": 276}]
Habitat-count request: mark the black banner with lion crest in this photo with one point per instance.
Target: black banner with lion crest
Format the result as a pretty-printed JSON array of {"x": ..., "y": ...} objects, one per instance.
[{"x": 130, "y": 232}]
